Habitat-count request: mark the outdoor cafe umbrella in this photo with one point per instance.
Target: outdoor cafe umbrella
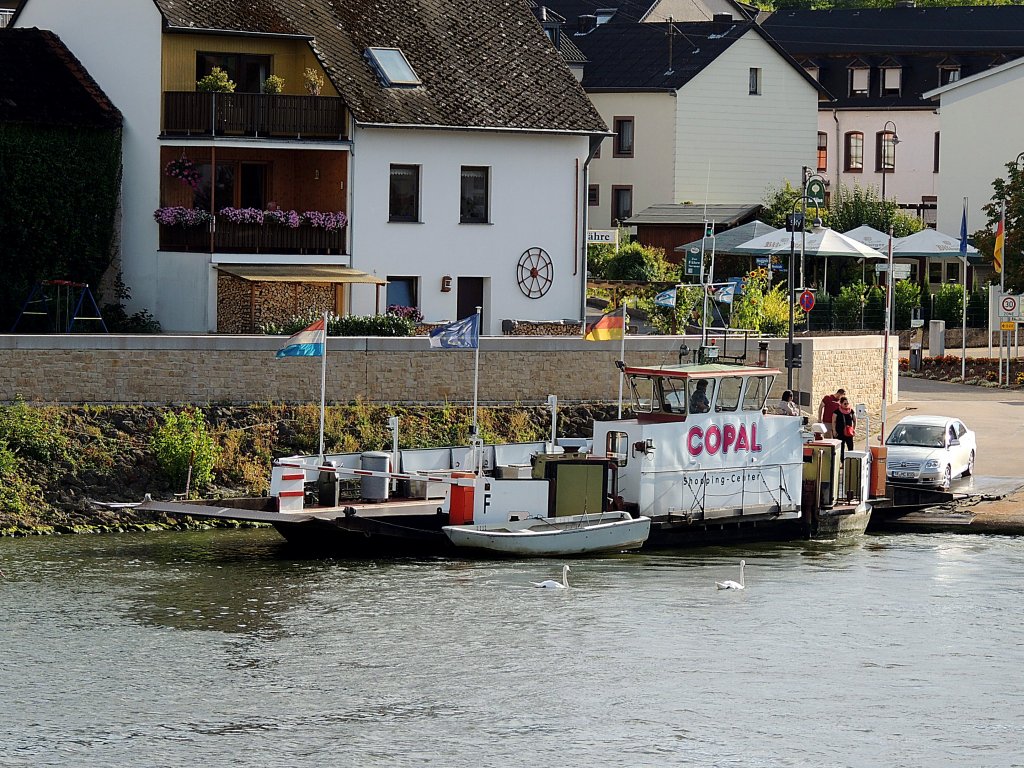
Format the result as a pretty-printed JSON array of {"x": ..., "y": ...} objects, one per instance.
[
  {"x": 933, "y": 245},
  {"x": 821, "y": 242},
  {"x": 728, "y": 239},
  {"x": 872, "y": 237}
]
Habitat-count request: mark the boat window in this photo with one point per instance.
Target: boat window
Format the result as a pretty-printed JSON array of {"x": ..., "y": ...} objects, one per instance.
[
  {"x": 616, "y": 444},
  {"x": 729, "y": 394},
  {"x": 673, "y": 396},
  {"x": 756, "y": 392},
  {"x": 644, "y": 397},
  {"x": 701, "y": 394}
]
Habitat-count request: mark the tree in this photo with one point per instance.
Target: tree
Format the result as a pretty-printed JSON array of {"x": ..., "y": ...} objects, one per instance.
[
  {"x": 1011, "y": 190},
  {"x": 852, "y": 208}
]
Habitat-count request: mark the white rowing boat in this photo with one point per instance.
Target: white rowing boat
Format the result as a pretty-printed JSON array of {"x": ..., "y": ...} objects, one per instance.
[{"x": 554, "y": 536}]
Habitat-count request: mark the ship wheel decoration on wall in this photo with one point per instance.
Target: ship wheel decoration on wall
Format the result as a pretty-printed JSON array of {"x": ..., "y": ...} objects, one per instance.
[{"x": 535, "y": 272}]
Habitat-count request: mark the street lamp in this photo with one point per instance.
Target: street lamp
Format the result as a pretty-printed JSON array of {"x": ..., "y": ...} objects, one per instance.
[
  {"x": 817, "y": 181},
  {"x": 792, "y": 223}
]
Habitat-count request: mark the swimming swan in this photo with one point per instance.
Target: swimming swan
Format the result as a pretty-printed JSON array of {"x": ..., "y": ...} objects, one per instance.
[
  {"x": 552, "y": 584},
  {"x": 732, "y": 584}
]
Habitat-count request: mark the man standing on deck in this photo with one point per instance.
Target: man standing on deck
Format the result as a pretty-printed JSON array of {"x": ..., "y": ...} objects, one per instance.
[{"x": 827, "y": 410}]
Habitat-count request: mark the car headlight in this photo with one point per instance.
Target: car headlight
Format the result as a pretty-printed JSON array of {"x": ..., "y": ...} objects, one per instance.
[{"x": 931, "y": 464}]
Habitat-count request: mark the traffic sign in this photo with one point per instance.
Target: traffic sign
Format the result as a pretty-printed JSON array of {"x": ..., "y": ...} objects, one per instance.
[
  {"x": 807, "y": 301},
  {"x": 899, "y": 271},
  {"x": 1008, "y": 326},
  {"x": 1009, "y": 306}
]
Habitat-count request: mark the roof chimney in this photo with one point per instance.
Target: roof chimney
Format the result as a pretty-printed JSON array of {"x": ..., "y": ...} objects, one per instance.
[
  {"x": 586, "y": 23},
  {"x": 722, "y": 20}
]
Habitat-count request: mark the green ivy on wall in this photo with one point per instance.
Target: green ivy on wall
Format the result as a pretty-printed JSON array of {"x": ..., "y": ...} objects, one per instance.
[{"x": 61, "y": 188}]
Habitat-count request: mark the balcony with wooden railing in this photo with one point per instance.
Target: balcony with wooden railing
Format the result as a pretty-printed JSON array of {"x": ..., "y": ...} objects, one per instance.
[
  {"x": 228, "y": 237},
  {"x": 196, "y": 113}
]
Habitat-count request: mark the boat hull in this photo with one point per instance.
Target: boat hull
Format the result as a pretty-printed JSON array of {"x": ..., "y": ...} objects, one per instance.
[{"x": 553, "y": 537}]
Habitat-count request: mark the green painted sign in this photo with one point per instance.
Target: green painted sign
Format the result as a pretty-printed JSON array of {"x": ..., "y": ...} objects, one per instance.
[
  {"x": 693, "y": 264},
  {"x": 816, "y": 191}
]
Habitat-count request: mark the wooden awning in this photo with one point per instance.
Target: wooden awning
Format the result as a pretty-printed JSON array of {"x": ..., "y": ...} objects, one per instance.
[{"x": 298, "y": 273}]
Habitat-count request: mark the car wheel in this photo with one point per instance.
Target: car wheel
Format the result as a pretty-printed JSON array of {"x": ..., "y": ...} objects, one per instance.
[
  {"x": 970, "y": 466},
  {"x": 947, "y": 478}
]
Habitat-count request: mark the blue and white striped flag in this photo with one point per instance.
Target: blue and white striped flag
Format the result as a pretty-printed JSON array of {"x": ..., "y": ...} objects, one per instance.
[
  {"x": 308, "y": 342},
  {"x": 666, "y": 298},
  {"x": 462, "y": 334}
]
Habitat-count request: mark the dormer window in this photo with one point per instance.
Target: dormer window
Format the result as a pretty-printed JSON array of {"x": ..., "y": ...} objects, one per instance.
[
  {"x": 859, "y": 74},
  {"x": 814, "y": 73},
  {"x": 948, "y": 75},
  {"x": 392, "y": 67},
  {"x": 949, "y": 71},
  {"x": 892, "y": 76},
  {"x": 604, "y": 15}
]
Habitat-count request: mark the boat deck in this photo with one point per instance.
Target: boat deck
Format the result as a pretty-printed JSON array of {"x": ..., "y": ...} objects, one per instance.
[{"x": 390, "y": 508}]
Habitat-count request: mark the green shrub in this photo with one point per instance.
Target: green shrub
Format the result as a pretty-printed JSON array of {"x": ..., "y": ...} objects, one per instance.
[
  {"x": 390, "y": 324},
  {"x": 849, "y": 304},
  {"x": 17, "y": 495},
  {"x": 274, "y": 84},
  {"x": 637, "y": 262},
  {"x": 949, "y": 304},
  {"x": 32, "y": 432},
  {"x": 182, "y": 441},
  {"x": 216, "y": 82},
  {"x": 906, "y": 296}
]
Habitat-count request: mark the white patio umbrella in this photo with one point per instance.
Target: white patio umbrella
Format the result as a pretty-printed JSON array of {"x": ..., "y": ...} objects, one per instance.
[
  {"x": 823, "y": 243},
  {"x": 872, "y": 237},
  {"x": 932, "y": 245}
]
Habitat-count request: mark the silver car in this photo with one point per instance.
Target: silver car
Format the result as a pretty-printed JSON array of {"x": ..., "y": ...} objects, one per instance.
[{"x": 930, "y": 450}]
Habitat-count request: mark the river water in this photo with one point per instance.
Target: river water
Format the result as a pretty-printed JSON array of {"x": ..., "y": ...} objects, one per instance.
[{"x": 218, "y": 649}]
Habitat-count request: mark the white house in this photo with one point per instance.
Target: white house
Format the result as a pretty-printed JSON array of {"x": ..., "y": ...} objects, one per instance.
[
  {"x": 708, "y": 112},
  {"x": 980, "y": 118},
  {"x": 449, "y": 169}
]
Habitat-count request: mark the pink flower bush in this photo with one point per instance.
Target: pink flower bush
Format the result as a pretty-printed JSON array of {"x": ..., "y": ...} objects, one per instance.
[
  {"x": 185, "y": 170},
  {"x": 179, "y": 216}
]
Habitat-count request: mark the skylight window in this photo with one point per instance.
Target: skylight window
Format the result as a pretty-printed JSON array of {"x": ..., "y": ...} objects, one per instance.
[{"x": 392, "y": 67}]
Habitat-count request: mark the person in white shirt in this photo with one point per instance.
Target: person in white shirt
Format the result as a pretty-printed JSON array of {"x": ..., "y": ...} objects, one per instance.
[{"x": 787, "y": 407}]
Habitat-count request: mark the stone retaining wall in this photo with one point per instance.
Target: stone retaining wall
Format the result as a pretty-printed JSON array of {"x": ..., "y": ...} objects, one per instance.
[{"x": 242, "y": 369}]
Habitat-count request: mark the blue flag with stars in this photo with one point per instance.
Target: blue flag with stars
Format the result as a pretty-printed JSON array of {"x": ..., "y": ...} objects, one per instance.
[{"x": 462, "y": 334}]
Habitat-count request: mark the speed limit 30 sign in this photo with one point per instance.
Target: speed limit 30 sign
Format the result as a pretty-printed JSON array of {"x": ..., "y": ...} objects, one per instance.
[{"x": 1009, "y": 306}]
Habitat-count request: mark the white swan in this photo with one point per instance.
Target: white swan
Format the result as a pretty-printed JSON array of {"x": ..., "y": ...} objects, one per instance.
[
  {"x": 552, "y": 584},
  {"x": 733, "y": 584}
]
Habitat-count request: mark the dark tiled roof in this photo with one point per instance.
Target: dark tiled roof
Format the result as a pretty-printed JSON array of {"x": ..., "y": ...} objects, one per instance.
[
  {"x": 694, "y": 213},
  {"x": 483, "y": 65},
  {"x": 920, "y": 39},
  {"x": 42, "y": 83}
]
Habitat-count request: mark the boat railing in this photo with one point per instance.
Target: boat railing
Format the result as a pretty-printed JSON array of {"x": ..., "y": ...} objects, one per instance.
[{"x": 703, "y": 497}]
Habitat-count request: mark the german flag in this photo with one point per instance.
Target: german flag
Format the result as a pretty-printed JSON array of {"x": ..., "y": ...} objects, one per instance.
[
  {"x": 997, "y": 252},
  {"x": 609, "y": 327}
]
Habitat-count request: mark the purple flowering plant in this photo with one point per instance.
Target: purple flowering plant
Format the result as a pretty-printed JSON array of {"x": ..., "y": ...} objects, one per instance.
[
  {"x": 328, "y": 220},
  {"x": 403, "y": 311},
  {"x": 243, "y": 215},
  {"x": 288, "y": 219},
  {"x": 185, "y": 170},
  {"x": 179, "y": 216}
]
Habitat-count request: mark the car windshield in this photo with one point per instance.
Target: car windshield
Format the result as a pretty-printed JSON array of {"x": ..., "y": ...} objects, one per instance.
[{"x": 920, "y": 435}]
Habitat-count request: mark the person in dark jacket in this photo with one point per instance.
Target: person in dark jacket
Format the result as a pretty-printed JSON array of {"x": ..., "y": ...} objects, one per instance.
[{"x": 844, "y": 425}]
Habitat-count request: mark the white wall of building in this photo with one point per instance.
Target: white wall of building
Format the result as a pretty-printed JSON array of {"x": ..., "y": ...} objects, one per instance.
[
  {"x": 536, "y": 197},
  {"x": 649, "y": 171},
  {"x": 750, "y": 141},
  {"x": 173, "y": 286},
  {"x": 981, "y": 132},
  {"x": 914, "y": 177}
]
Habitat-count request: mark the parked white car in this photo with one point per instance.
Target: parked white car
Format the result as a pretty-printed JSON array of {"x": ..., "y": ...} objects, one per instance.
[{"x": 930, "y": 450}]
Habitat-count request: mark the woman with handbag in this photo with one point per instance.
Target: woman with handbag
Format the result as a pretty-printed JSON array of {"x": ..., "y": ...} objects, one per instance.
[{"x": 845, "y": 425}]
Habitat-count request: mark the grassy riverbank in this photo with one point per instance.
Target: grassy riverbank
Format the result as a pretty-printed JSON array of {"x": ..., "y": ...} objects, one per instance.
[{"x": 56, "y": 461}]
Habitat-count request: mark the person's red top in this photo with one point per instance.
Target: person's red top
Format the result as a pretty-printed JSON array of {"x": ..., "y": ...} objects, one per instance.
[{"x": 831, "y": 403}]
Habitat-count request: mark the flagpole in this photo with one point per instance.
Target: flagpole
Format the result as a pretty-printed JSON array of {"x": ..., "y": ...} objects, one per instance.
[
  {"x": 963, "y": 326},
  {"x": 622, "y": 354},
  {"x": 476, "y": 373},
  {"x": 323, "y": 389}
]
